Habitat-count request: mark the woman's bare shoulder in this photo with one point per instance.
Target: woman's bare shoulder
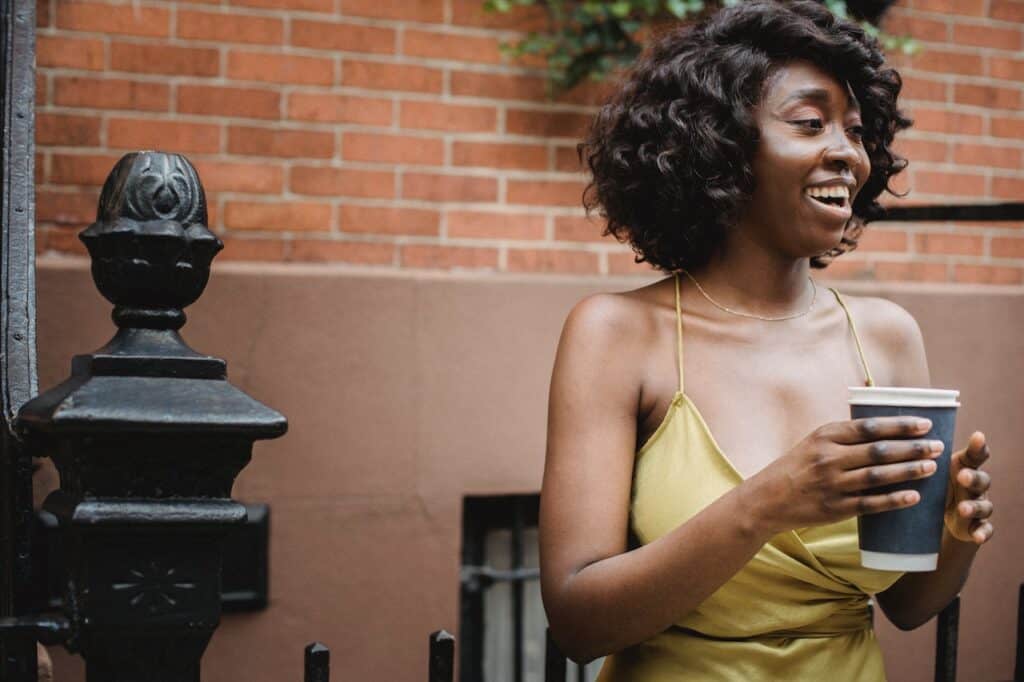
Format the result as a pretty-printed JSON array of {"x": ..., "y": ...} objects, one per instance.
[
  {"x": 628, "y": 316},
  {"x": 889, "y": 328}
]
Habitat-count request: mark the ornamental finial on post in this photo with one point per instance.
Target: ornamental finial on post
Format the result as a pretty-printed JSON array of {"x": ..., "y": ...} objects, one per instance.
[{"x": 151, "y": 248}]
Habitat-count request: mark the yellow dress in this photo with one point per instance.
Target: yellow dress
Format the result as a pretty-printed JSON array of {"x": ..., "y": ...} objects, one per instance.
[{"x": 798, "y": 611}]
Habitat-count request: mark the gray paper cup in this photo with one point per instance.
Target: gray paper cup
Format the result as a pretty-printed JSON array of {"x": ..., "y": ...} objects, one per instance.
[{"x": 908, "y": 539}]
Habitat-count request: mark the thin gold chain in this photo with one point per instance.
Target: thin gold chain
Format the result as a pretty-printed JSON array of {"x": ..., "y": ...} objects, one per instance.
[{"x": 814, "y": 296}]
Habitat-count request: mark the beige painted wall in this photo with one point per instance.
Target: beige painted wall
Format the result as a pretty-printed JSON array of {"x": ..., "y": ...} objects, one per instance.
[{"x": 405, "y": 392}]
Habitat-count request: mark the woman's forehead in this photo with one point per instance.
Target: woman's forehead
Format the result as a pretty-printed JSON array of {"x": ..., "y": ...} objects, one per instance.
[{"x": 803, "y": 81}]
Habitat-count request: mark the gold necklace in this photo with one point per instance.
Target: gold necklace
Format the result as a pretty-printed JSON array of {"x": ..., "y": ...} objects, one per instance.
[{"x": 814, "y": 296}]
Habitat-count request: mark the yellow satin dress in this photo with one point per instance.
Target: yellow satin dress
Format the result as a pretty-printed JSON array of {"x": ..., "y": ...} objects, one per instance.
[{"x": 798, "y": 611}]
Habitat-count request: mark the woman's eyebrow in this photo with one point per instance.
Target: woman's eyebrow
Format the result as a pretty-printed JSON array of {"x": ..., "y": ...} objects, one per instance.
[{"x": 819, "y": 96}]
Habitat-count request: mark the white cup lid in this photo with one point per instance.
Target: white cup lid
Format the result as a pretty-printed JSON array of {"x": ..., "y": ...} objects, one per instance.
[{"x": 903, "y": 396}]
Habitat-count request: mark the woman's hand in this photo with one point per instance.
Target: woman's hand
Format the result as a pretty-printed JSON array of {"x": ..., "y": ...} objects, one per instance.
[
  {"x": 967, "y": 505},
  {"x": 825, "y": 477}
]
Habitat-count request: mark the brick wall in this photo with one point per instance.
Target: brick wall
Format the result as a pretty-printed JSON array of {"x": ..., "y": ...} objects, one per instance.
[{"x": 391, "y": 133}]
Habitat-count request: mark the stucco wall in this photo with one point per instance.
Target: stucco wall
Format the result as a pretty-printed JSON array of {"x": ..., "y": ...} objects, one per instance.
[{"x": 405, "y": 393}]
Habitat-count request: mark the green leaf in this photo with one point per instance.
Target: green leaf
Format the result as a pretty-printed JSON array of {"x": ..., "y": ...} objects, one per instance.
[{"x": 621, "y": 10}]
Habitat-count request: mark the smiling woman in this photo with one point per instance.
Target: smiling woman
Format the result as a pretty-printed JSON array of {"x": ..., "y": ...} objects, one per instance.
[{"x": 737, "y": 155}]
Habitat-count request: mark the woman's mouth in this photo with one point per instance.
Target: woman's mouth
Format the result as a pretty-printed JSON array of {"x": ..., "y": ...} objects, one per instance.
[{"x": 832, "y": 199}]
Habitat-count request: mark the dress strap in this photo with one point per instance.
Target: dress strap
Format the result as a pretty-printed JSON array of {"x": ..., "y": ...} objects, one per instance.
[
  {"x": 853, "y": 328},
  {"x": 679, "y": 334}
]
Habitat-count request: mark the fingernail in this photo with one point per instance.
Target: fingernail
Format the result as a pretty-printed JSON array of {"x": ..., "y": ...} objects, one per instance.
[
  {"x": 924, "y": 424},
  {"x": 937, "y": 446},
  {"x": 910, "y": 498},
  {"x": 928, "y": 467}
]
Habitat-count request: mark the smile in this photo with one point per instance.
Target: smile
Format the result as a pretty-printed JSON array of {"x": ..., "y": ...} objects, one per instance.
[{"x": 834, "y": 199}]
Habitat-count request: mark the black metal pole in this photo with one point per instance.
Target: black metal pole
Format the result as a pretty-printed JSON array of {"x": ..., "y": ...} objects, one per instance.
[
  {"x": 517, "y": 592},
  {"x": 1018, "y": 667},
  {"x": 442, "y": 657},
  {"x": 318, "y": 663},
  {"x": 554, "y": 660},
  {"x": 946, "y": 642}
]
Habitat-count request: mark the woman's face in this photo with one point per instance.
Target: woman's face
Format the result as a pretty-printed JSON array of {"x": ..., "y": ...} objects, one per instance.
[{"x": 810, "y": 161}]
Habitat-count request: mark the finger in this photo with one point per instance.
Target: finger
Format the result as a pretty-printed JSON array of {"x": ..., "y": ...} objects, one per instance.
[
  {"x": 874, "y": 476},
  {"x": 873, "y": 504},
  {"x": 983, "y": 532},
  {"x": 976, "y": 482},
  {"x": 976, "y": 452},
  {"x": 889, "y": 451},
  {"x": 975, "y": 509},
  {"x": 875, "y": 428}
]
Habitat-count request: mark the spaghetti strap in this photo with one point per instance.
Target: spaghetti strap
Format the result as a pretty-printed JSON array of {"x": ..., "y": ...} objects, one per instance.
[
  {"x": 679, "y": 334},
  {"x": 853, "y": 328}
]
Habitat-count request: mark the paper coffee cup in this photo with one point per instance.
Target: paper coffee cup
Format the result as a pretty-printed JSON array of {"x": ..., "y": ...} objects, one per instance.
[{"x": 908, "y": 539}]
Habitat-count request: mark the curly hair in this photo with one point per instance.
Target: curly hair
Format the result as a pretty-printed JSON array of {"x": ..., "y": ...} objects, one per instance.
[{"x": 670, "y": 152}]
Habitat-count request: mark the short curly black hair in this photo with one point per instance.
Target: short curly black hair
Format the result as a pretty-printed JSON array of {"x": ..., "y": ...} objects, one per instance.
[{"x": 670, "y": 152}]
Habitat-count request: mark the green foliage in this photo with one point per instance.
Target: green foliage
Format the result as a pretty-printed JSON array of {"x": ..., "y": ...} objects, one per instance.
[{"x": 586, "y": 39}]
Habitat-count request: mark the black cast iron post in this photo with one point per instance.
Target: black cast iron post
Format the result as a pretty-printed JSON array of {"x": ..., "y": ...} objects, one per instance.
[{"x": 148, "y": 437}]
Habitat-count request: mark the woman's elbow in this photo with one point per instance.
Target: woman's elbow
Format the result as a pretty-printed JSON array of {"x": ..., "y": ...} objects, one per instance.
[{"x": 569, "y": 645}]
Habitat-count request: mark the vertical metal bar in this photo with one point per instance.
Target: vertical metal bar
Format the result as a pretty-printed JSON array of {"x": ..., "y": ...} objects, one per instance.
[
  {"x": 581, "y": 672},
  {"x": 517, "y": 592},
  {"x": 1018, "y": 668},
  {"x": 318, "y": 663},
  {"x": 17, "y": 319},
  {"x": 946, "y": 642},
  {"x": 554, "y": 660},
  {"x": 442, "y": 657}
]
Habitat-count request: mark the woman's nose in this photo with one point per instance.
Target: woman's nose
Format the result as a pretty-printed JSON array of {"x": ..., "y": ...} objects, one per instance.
[{"x": 842, "y": 151}]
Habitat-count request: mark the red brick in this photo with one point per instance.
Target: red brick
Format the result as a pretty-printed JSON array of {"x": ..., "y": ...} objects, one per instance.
[
  {"x": 41, "y": 90},
  {"x": 382, "y": 76},
  {"x": 910, "y": 271},
  {"x": 66, "y": 169},
  {"x": 460, "y": 188},
  {"x": 988, "y": 274},
  {"x": 567, "y": 160},
  {"x": 969, "y": 7},
  {"x": 67, "y": 130},
  {"x": 274, "y": 67},
  {"x": 308, "y": 106},
  {"x": 552, "y": 260},
  {"x": 283, "y": 143},
  {"x": 988, "y": 96},
  {"x": 287, "y": 5},
  {"x": 324, "y": 35},
  {"x": 481, "y": 225},
  {"x": 59, "y": 240},
  {"x": 277, "y": 215},
  {"x": 547, "y": 123},
  {"x": 579, "y": 229},
  {"x": 939, "y": 182},
  {"x": 589, "y": 92},
  {"x": 498, "y": 86},
  {"x": 987, "y": 155},
  {"x": 73, "y": 53},
  {"x": 921, "y": 150},
  {"x": 219, "y": 101},
  {"x": 129, "y": 19},
  {"x": 942, "y": 121},
  {"x": 407, "y": 10},
  {"x": 1006, "y": 69},
  {"x": 950, "y": 244},
  {"x": 899, "y": 23},
  {"x": 847, "y": 267},
  {"x": 252, "y": 249},
  {"x": 454, "y": 117},
  {"x": 1007, "y": 247},
  {"x": 1008, "y": 127},
  {"x": 379, "y": 148},
  {"x": 229, "y": 28},
  {"x": 389, "y": 220},
  {"x": 451, "y": 46},
  {"x": 225, "y": 176},
  {"x": 945, "y": 61},
  {"x": 499, "y": 155},
  {"x": 545, "y": 192},
  {"x": 472, "y": 13},
  {"x": 1008, "y": 188},
  {"x": 110, "y": 93},
  {"x": 987, "y": 36},
  {"x": 448, "y": 257},
  {"x": 331, "y": 251},
  {"x": 342, "y": 182},
  {"x": 142, "y": 133},
  {"x": 625, "y": 264},
  {"x": 66, "y": 208},
  {"x": 165, "y": 59},
  {"x": 923, "y": 89},
  {"x": 43, "y": 18},
  {"x": 1007, "y": 10}
]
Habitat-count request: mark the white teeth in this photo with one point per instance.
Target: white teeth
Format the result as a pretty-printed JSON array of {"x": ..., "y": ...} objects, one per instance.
[{"x": 833, "y": 191}]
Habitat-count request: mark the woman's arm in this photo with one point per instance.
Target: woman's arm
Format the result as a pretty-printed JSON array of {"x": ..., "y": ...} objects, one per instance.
[
  {"x": 600, "y": 598},
  {"x": 916, "y": 597}
]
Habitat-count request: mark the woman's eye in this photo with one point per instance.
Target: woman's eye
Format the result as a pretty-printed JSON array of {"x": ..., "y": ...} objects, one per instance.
[
  {"x": 856, "y": 131},
  {"x": 812, "y": 123}
]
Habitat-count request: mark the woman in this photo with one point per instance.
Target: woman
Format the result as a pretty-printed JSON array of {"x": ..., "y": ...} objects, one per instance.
[{"x": 737, "y": 155}]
